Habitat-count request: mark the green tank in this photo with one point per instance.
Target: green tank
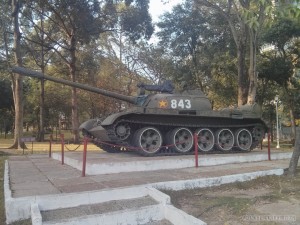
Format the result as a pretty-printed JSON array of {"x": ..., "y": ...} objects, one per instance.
[{"x": 166, "y": 122}]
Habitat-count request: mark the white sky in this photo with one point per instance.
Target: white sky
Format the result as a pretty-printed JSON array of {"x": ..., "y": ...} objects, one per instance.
[{"x": 158, "y": 7}]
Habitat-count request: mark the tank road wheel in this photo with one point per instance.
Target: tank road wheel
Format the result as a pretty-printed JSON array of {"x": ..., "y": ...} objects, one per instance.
[
  {"x": 181, "y": 140},
  {"x": 224, "y": 139},
  {"x": 206, "y": 139},
  {"x": 148, "y": 140},
  {"x": 122, "y": 131},
  {"x": 243, "y": 139}
]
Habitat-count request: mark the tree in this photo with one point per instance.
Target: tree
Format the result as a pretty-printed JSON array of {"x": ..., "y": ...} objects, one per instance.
[
  {"x": 283, "y": 59},
  {"x": 183, "y": 34},
  {"x": 202, "y": 51},
  {"x": 79, "y": 22},
  {"x": 17, "y": 80},
  {"x": 282, "y": 65},
  {"x": 245, "y": 19},
  {"x": 36, "y": 45}
]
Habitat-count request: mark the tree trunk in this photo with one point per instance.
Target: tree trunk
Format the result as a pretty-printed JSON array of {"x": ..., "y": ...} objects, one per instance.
[
  {"x": 41, "y": 136},
  {"x": 295, "y": 157},
  {"x": 72, "y": 67},
  {"x": 17, "y": 84},
  {"x": 242, "y": 76},
  {"x": 252, "y": 68},
  {"x": 292, "y": 117}
]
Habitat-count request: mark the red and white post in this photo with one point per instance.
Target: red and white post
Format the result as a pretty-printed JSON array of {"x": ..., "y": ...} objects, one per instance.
[
  {"x": 50, "y": 146},
  {"x": 62, "y": 139},
  {"x": 85, "y": 142},
  {"x": 269, "y": 146}
]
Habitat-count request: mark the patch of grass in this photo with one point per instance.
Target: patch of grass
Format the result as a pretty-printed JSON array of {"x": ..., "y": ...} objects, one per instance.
[
  {"x": 236, "y": 206},
  {"x": 22, "y": 222},
  {"x": 3, "y": 157},
  {"x": 233, "y": 201}
]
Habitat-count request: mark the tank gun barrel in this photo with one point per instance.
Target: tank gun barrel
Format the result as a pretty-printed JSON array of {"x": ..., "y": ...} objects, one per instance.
[{"x": 35, "y": 74}]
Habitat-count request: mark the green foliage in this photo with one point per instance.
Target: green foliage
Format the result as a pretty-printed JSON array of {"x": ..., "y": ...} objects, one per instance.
[
  {"x": 6, "y": 106},
  {"x": 223, "y": 88},
  {"x": 254, "y": 13},
  {"x": 195, "y": 39},
  {"x": 136, "y": 20},
  {"x": 290, "y": 9},
  {"x": 6, "y": 97},
  {"x": 278, "y": 69},
  {"x": 280, "y": 64},
  {"x": 281, "y": 32}
]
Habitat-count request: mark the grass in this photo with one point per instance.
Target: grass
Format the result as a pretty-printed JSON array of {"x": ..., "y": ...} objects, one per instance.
[
  {"x": 43, "y": 147},
  {"x": 234, "y": 201},
  {"x": 3, "y": 157}
]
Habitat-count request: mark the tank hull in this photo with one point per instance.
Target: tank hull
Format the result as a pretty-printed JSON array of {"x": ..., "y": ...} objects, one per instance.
[{"x": 122, "y": 130}]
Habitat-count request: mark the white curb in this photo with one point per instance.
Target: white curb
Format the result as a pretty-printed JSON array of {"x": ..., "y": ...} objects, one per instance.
[
  {"x": 179, "y": 217},
  {"x": 36, "y": 217},
  {"x": 214, "y": 181}
]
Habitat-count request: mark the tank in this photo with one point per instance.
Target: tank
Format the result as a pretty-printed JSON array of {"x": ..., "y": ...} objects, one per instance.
[{"x": 168, "y": 122}]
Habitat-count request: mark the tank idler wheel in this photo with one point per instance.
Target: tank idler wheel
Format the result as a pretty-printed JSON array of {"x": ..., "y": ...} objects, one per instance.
[
  {"x": 180, "y": 139},
  {"x": 206, "y": 139},
  {"x": 224, "y": 139},
  {"x": 122, "y": 131},
  {"x": 148, "y": 140},
  {"x": 243, "y": 139}
]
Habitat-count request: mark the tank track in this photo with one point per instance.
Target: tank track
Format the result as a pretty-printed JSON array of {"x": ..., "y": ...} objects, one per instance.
[
  {"x": 162, "y": 152},
  {"x": 136, "y": 124}
]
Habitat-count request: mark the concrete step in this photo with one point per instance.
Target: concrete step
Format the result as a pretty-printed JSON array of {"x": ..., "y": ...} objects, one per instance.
[
  {"x": 144, "y": 210},
  {"x": 126, "y": 206}
]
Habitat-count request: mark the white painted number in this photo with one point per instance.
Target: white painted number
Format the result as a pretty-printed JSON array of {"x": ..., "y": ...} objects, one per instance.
[
  {"x": 173, "y": 104},
  {"x": 188, "y": 104},
  {"x": 183, "y": 104}
]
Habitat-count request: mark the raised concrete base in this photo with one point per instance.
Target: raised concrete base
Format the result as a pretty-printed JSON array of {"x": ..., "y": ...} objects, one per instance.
[{"x": 102, "y": 166}]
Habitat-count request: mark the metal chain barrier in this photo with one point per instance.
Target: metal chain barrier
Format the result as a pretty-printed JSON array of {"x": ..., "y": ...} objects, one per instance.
[{"x": 72, "y": 150}]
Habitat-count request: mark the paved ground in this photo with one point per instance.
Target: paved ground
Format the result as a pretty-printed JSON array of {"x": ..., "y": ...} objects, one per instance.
[{"x": 40, "y": 175}]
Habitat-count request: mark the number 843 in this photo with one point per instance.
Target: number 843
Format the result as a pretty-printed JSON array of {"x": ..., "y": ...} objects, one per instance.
[{"x": 181, "y": 103}]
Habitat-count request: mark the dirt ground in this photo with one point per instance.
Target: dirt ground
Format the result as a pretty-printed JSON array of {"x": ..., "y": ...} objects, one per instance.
[{"x": 267, "y": 200}]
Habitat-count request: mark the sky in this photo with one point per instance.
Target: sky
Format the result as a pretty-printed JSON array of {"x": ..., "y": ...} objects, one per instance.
[{"x": 158, "y": 7}]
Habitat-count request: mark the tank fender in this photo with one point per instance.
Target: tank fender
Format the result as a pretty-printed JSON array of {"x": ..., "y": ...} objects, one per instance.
[
  {"x": 89, "y": 124},
  {"x": 100, "y": 133},
  {"x": 112, "y": 118}
]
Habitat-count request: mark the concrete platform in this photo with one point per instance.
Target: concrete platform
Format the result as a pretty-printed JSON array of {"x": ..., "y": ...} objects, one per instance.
[
  {"x": 50, "y": 185},
  {"x": 103, "y": 163}
]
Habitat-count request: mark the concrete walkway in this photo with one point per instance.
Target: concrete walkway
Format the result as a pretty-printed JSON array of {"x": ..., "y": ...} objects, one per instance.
[
  {"x": 37, "y": 183},
  {"x": 40, "y": 175}
]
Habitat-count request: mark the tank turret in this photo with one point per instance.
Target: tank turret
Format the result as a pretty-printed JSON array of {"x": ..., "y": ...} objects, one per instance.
[{"x": 164, "y": 122}]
